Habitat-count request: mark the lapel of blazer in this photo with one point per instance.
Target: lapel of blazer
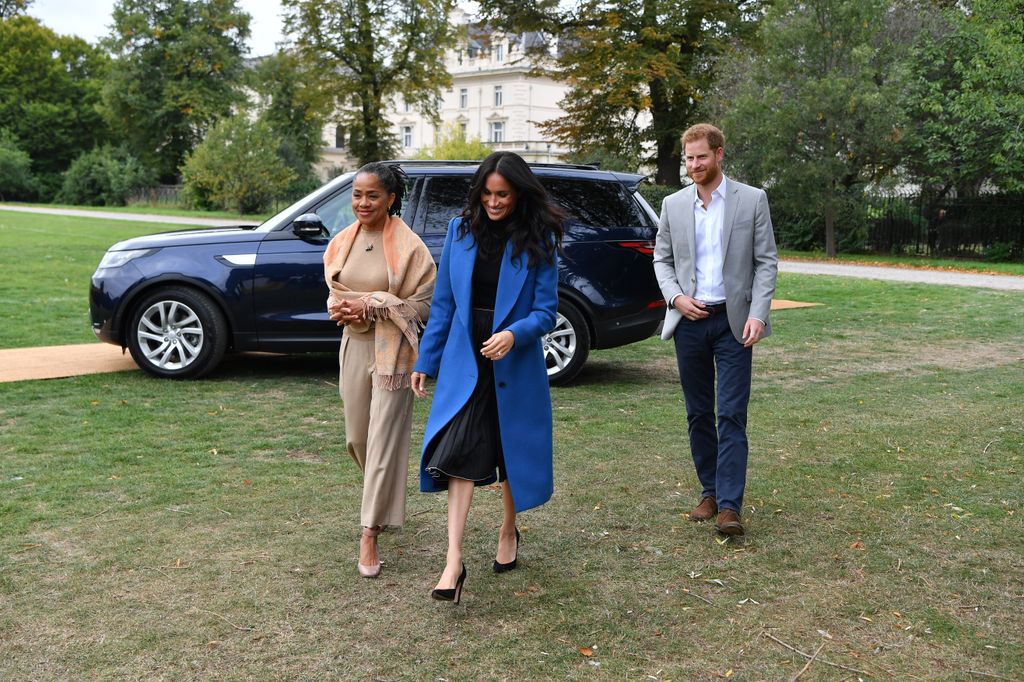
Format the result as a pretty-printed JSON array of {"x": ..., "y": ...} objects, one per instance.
[
  {"x": 689, "y": 226},
  {"x": 463, "y": 259},
  {"x": 732, "y": 196},
  {"x": 511, "y": 279}
]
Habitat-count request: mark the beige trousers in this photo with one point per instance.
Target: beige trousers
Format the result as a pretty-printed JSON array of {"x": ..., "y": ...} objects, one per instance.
[{"x": 378, "y": 427}]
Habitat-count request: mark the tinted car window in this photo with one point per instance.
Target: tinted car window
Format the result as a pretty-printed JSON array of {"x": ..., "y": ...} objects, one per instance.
[
  {"x": 446, "y": 197},
  {"x": 336, "y": 213},
  {"x": 595, "y": 203}
]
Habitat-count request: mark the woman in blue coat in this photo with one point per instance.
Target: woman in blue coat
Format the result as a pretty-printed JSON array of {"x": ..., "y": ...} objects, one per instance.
[{"x": 496, "y": 296}]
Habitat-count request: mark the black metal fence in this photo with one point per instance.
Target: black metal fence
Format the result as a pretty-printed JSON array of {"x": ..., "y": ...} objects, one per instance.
[{"x": 988, "y": 226}]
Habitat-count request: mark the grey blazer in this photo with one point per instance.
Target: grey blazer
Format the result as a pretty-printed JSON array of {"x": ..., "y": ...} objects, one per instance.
[{"x": 748, "y": 247}]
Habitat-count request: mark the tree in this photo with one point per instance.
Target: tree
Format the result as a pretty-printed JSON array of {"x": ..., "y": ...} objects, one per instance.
[
  {"x": 10, "y": 8},
  {"x": 16, "y": 179},
  {"x": 451, "y": 145},
  {"x": 178, "y": 69},
  {"x": 638, "y": 70},
  {"x": 49, "y": 90},
  {"x": 236, "y": 167},
  {"x": 104, "y": 176},
  {"x": 372, "y": 51},
  {"x": 815, "y": 115},
  {"x": 965, "y": 100},
  {"x": 294, "y": 104}
]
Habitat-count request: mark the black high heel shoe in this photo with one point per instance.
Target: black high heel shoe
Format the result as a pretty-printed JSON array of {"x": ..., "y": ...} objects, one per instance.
[
  {"x": 500, "y": 567},
  {"x": 453, "y": 594}
]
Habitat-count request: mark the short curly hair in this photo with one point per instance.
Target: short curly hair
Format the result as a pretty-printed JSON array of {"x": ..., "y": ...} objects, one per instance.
[{"x": 705, "y": 131}]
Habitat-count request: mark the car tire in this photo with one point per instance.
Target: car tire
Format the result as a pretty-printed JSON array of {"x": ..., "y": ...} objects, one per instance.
[
  {"x": 177, "y": 333},
  {"x": 567, "y": 346}
]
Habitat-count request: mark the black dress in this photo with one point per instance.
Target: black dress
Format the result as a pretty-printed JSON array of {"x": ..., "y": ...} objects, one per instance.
[{"x": 469, "y": 446}]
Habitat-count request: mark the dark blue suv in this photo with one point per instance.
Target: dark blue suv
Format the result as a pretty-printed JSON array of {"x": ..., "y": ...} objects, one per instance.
[{"x": 179, "y": 300}]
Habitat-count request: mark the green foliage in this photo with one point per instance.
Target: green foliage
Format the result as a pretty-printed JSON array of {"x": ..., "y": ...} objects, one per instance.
[
  {"x": 371, "y": 52},
  {"x": 1000, "y": 252},
  {"x": 105, "y": 176},
  {"x": 814, "y": 115},
  {"x": 451, "y": 145},
  {"x": 178, "y": 69},
  {"x": 16, "y": 179},
  {"x": 293, "y": 103},
  {"x": 638, "y": 71},
  {"x": 605, "y": 159},
  {"x": 965, "y": 98},
  {"x": 49, "y": 91},
  {"x": 236, "y": 168}
]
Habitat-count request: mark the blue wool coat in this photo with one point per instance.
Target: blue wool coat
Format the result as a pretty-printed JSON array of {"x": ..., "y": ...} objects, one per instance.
[{"x": 526, "y": 305}]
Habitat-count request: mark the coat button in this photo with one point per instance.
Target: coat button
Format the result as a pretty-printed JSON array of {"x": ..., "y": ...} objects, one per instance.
[
  {"x": 693, "y": 279},
  {"x": 501, "y": 384}
]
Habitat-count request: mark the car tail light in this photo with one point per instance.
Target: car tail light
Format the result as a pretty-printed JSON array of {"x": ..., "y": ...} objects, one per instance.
[
  {"x": 645, "y": 247},
  {"x": 660, "y": 303}
]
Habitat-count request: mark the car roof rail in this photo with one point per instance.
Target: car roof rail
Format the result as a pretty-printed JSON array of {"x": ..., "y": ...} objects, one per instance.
[{"x": 539, "y": 164}]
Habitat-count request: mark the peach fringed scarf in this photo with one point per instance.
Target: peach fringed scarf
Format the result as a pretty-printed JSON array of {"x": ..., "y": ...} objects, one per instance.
[{"x": 411, "y": 275}]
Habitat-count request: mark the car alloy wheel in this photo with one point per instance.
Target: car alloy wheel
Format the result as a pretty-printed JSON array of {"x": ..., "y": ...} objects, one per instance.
[
  {"x": 170, "y": 335},
  {"x": 567, "y": 345},
  {"x": 177, "y": 332}
]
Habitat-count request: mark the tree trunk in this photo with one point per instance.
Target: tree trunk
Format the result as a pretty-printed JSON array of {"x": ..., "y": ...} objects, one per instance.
[
  {"x": 669, "y": 161},
  {"x": 830, "y": 221}
]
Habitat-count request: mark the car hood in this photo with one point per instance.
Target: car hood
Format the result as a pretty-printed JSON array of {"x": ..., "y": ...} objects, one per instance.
[{"x": 220, "y": 235}]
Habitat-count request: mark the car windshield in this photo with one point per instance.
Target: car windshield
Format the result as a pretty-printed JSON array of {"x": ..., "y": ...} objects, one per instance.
[{"x": 311, "y": 199}]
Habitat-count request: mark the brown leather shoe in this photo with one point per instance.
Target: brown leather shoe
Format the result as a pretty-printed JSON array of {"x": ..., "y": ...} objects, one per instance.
[
  {"x": 728, "y": 523},
  {"x": 705, "y": 510}
]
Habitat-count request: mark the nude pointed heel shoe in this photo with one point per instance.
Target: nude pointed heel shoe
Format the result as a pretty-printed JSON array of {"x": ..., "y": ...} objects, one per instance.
[{"x": 373, "y": 570}]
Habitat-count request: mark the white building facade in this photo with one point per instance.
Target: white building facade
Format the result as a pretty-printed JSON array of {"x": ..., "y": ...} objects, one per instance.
[{"x": 493, "y": 97}]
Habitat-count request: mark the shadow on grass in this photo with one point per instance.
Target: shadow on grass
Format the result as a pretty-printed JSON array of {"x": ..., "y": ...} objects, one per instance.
[{"x": 267, "y": 366}]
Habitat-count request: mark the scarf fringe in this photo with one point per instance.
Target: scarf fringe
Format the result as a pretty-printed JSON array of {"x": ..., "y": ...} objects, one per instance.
[{"x": 392, "y": 382}]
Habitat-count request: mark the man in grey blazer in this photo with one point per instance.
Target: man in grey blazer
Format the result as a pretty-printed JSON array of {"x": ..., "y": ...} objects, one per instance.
[{"x": 716, "y": 263}]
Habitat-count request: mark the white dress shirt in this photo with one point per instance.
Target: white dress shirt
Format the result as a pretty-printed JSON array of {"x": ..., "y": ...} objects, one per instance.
[{"x": 708, "y": 225}]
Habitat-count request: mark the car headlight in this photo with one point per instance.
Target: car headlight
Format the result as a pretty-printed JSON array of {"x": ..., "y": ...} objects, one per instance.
[{"x": 115, "y": 259}]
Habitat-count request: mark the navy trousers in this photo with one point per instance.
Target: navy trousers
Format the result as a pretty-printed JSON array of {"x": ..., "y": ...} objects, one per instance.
[{"x": 719, "y": 448}]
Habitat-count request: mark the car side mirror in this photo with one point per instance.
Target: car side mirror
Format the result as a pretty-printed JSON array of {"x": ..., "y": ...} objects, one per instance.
[{"x": 309, "y": 226}]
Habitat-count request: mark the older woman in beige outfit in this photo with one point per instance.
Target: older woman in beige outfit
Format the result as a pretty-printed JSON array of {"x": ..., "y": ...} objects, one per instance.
[{"x": 381, "y": 278}]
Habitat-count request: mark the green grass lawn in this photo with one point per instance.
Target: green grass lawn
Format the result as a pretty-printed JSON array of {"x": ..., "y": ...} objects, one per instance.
[
  {"x": 45, "y": 265},
  {"x": 169, "y": 530}
]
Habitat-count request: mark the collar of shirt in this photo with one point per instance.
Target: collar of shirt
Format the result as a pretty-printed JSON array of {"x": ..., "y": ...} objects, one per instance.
[{"x": 719, "y": 193}]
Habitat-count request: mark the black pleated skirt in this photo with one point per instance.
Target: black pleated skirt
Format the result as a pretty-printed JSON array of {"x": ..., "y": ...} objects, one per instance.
[{"x": 469, "y": 446}]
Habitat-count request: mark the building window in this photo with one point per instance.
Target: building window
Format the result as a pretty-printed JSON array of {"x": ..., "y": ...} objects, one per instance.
[
  {"x": 339, "y": 137},
  {"x": 408, "y": 108},
  {"x": 462, "y": 129},
  {"x": 497, "y": 96},
  {"x": 463, "y": 98},
  {"x": 497, "y": 131},
  {"x": 499, "y": 52},
  {"x": 406, "y": 136}
]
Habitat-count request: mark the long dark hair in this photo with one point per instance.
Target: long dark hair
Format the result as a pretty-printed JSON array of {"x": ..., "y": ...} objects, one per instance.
[
  {"x": 535, "y": 225},
  {"x": 393, "y": 177}
]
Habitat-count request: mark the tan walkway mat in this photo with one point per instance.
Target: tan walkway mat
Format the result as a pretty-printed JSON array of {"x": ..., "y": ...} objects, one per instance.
[
  {"x": 779, "y": 304},
  {"x": 55, "y": 362}
]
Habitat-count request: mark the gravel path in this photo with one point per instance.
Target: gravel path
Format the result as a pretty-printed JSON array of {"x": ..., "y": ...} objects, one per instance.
[
  {"x": 140, "y": 217},
  {"x": 960, "y": 279}
]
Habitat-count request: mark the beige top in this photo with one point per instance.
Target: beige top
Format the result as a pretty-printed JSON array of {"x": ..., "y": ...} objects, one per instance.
[{"x": 365, "y": 271}]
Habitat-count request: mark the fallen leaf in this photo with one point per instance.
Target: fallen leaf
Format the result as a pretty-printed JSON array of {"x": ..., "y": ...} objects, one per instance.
[
  {"x": 114, "y": 478},
  {"x": 857, "y": 545},
  {"x": 586, "y": 651}
]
